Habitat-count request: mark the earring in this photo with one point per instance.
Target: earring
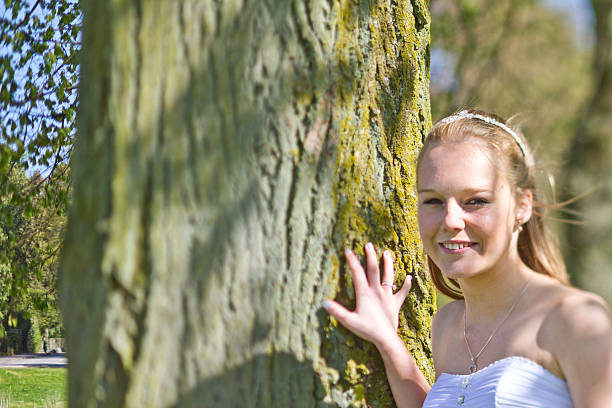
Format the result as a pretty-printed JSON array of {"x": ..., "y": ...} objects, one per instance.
[{"x": 519, "y": 226}]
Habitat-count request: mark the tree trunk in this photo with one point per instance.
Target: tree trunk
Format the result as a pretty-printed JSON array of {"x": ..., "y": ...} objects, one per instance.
[
  {"x": 590, "y": 166},
  {"x": 227, "y": 153}
]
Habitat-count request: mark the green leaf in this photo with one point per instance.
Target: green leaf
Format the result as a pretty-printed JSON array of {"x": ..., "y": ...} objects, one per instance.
[
  {"x": 49, "y": 34},
  {"x": 50, "y": 57}
]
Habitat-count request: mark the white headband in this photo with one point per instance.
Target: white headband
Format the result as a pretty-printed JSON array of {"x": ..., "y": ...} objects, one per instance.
[{"x": 464, "y": 114}]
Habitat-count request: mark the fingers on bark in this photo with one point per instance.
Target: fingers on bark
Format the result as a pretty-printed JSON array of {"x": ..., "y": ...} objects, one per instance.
[
  {"x": 357, "y": 272},
  {"x": 335, "y": 309},
  {"x": 372, "y": 264},
  {"x": 405, "y": 287},
  {"x": 388, "y": 269}
]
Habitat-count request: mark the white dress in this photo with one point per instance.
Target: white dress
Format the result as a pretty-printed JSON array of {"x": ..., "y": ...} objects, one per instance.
[{"x": 509, "y": 382}]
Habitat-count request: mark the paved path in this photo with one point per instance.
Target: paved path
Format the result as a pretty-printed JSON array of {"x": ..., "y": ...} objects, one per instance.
[{"x": 34, "y": 360}]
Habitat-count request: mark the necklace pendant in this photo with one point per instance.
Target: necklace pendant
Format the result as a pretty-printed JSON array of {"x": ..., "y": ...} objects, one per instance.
[{"x": 473, "y": 367}]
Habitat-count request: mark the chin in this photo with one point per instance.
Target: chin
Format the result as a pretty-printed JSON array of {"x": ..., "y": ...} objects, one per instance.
[
  {"x": 459, "y": 271},
  {"x": 457, "y": 275}
]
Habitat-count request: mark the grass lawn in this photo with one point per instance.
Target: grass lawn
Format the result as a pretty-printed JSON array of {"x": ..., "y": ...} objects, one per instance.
[{"x": 33, "y": 387}]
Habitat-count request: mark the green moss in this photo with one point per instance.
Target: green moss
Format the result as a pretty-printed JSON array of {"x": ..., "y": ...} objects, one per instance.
[
  {"x": 359, "y": 392},
  {"x": 354, "y": 372},
  {"x": 381, "y": 111}
]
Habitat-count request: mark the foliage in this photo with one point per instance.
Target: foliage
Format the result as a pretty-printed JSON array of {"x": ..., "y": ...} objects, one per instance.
[
  {"x": 513, "y": 57},
  {"x": 39, "y": 53},
  {"x": 39, "y": 74},
  {"x": 28, "y": 256},
  {"x": 48, "y": 316},
  {"x": 34, "y": 336},
  {"x": 30, "y": 387}
]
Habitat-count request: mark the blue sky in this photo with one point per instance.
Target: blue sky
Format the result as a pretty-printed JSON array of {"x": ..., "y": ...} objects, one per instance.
[{"x": 580, "y": 15}]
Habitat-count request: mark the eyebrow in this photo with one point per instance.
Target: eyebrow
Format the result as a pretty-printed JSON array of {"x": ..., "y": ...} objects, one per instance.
[{"x": 469, "y": 191}]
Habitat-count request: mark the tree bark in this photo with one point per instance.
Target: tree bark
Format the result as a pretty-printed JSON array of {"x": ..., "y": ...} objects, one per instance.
[
  {"x": 589, "y": 167},
  {"x": 227, "y": 153}
]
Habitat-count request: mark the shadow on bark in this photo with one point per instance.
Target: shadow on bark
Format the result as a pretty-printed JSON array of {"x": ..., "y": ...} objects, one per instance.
[{"x": 289, "y": 383}]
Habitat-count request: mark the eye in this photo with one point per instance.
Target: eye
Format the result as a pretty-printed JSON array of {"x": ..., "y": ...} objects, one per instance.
[
  {"x": 477, "y": 201},
  {"x": 432, "y": 201}
]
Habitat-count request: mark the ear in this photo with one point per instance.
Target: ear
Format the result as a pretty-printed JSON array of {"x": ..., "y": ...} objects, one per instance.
[{"x": 524, "y": 207}]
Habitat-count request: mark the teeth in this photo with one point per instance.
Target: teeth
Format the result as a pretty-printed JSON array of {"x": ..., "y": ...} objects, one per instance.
[{"x": 453, "y": 245}]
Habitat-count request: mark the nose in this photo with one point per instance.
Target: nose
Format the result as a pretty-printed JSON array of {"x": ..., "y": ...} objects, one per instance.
[{"x": 454, "y": 216}]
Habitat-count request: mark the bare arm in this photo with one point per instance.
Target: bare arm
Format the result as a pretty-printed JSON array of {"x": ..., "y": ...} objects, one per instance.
[
  {"x": 375, "y": 319},
  {"x": 584, "y": 349},
  {"x": 407, "y": 383}
]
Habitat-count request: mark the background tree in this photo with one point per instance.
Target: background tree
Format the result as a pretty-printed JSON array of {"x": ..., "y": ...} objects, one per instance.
[
  {"x": 39, "y": 43},
  {"x": 39, "y": 46},
  {"x": 227, "y": 153},
  {"x": 517, "y": 58},
  {"x": 590, "y": 165},
  {"x": 29, "y": 252}
]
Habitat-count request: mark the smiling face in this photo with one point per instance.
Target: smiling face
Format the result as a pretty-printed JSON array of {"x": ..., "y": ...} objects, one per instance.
[{"x": 467, "y": 211}]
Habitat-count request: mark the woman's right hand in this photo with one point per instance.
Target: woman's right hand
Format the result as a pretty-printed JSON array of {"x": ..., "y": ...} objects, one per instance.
[{"x": 376, "y": 313}]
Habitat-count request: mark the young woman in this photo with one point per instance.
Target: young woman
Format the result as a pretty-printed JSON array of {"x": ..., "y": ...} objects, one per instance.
[{"x": 517, "y": 335}]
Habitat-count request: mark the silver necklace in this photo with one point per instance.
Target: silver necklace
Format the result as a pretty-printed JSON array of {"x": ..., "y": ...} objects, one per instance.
[{"x": 474, "y": 358}]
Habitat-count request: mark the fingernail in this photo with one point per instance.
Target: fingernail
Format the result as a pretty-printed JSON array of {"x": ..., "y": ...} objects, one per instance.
[
  {"x": 326, "y": 304},
  {"x": 370, "y": 246},
  {"x": 348, "y": 251},
  {"x": 387, "y": 253},
  {"x": 409, "y": 277}
]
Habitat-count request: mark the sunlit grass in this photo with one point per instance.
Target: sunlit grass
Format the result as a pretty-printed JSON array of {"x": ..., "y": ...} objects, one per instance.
[{"x": 33, "y": 387}]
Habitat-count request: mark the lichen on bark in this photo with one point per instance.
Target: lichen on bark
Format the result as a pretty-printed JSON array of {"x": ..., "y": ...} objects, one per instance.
[{"x": 383, "y": 116}]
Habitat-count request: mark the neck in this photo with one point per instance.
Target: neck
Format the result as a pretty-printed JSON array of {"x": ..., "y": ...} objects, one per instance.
[{"x": 489, "y": 294}]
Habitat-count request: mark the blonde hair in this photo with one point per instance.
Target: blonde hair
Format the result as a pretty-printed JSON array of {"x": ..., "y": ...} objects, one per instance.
[{"x": 536, "y": 246}]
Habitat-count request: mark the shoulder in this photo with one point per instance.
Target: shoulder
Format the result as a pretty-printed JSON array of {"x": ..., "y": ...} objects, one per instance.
[
  {"x": 575, "y": 317},
  {"x": 578, "y": 331},
  {"x": 579, "y": 316}
]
